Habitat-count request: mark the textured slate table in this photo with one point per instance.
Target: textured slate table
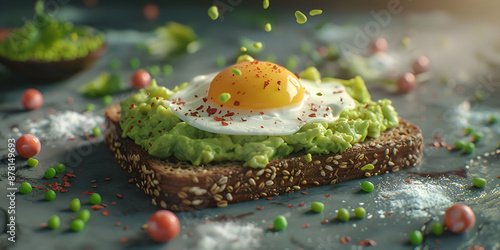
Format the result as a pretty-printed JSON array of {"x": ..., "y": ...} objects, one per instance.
[{"x": 458, "y": 45}]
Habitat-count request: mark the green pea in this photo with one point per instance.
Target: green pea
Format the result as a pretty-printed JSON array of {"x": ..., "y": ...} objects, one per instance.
[
  {"x": 60, "y": 168},
  {"x": 90, "y": 107},
  {"x": 469, "y": 147},
  {"x": 416, "y": 237},
  {"x": 84, "y": 215},
  {"x": 135, "y": 63},
  {"x": 493, "y": 119},
  {"x": 308, "y": 157},
  {"x": 154, "y": 70},
  {"x": 75, "y": 205},
  {"x": 257, "y": 45},
  {"x": 244, "y": 58},
  {"x": 460, "y": 144},
  {"x": 32, "y": 162},
  {"x": 115, "y": 64},
  {"x": 96, "y": 131},
  {"x": 368, "y": 167},
  {"x": 50, "y": 173},
  {"x": 477, "y": 136},
  {"x": 213, "y": 12},
  {"x": 220, "y": 61},
  {"x": 265, "y": 4},
  {"x": 77, "y": 225},
  {"x": 437, "y": 228},
  {"x": 167, "y": 69},
  {"x": 268, "y": 27},
  {"x": 367, "y": 186},
  {"x": 107, "y": 100},
  {"x": 468, "y": 130},
  {"x": 50, "y": 195},
  {"x": 317, "y": 207},
  {"x": 479, "y": 182},
  {"x": 25, "y": 188},
  {"x": 343, "y": 214},
  {"x": 243, "y": 49},
  {"x": 301, "y": 18},
  {"x": 280, "y": 223},
  {"x": 54, "y": 222},
  {"x": 95, "y": 199},
  {"x": 236, "y": 72},
  {"x": 224, "y": 97},
  {"x": 315, "y": 12},
  {"x": 359, "y": 212}
]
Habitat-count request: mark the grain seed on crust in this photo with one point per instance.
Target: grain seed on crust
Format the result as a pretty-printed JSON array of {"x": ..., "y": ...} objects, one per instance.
[
  {"x": 222, "y": 203},
  {"x": 252, "y": 182}
]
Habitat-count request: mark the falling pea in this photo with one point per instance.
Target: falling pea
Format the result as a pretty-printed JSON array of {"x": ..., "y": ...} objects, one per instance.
[
  {"x": 301, "y": 18},
  {"x": 213, "y": 12},
  {"x": 224, "y": 97}
]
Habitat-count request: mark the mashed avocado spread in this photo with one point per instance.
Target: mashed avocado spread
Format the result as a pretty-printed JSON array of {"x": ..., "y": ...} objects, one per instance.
[{"x": 151, "y": 124}]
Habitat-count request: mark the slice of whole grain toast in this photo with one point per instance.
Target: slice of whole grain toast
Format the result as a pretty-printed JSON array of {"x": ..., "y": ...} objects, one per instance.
[{"x": 180, "y": 186}]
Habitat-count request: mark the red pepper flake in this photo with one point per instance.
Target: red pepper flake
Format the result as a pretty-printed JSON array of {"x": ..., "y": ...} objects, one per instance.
[
  {"x": 306, "y": 225},
  {"x": 304, "y": 192},
  {"x": 119, "y": 195},
  {"x": 96, "y": 207},
  {"x": 302, "y": 204},
  {"x": 389, "y": 214},
  {"x": 40, "y": 187},
  {"x": 266, "y": 83},
  {"x": 345, "y": 240},
  {"x": 69, "y": 100},
  {"x": 260, "y": 208},
  {"x": 327, "y": 195},
  {"x": 125, "y": 228},
  {"x": 312, "y": 115},
  {"x": 367, "y": 242},
  {"x": 43, "y": 225},
  {"x": 271, "y": 227},
  {"x": 224, "y": 123},
  {"x": 63, "y": 191},
  {"x": 219, "y": 119},
  {"x": 124, "y": 240},
  {"x": 52, "y": 112},
  {"x": 72, "y": 138},
  {"x": 93, "y": 186},
  {"x": 118, "y": 224},
  {"x": 290, "y": 205},
  {"x": 269, "y": 198},
  {"x": 87, "y": 192},
  {"x": 113, "y": 203},
  {"x": 150, "y": 144},
  {"x": 104, "y": 205},
  {"x": 297, "y": 75},
  {"x": 437, "y": 241},
  {"x": 66, "y": 184},
  {"x": 211, "y": 111},
  {"x": 131, "y": 180},
  {"x": 139, "y": 121},
  {"x": 132, "y": 106},
  {"x": 105, "y": 213},
  {"x": 236, "y": 103},
  {"x": 200, "y": 107},
  {"x": 131, "y": 127},
  {"x": 324, "y": 221},
  {"x": 244, "y": 120},
  {"x": 93, "y": 181},
  {"x": 107, "y": 179},
  {"x": 150, "y": 134}
]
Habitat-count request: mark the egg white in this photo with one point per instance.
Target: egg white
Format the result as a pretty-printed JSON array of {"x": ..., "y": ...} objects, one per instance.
[{"x": 322, "y": 102}]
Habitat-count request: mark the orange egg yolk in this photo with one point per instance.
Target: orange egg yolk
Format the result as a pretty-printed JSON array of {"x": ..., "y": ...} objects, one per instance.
[{"x": 261, "y": 85}]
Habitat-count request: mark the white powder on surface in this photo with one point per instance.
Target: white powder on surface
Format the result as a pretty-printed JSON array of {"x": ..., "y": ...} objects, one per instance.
[
  {"x": 61, "y": 125},
  {"x": 416, "y": 199},
  {"x": 227, "y": 235}
]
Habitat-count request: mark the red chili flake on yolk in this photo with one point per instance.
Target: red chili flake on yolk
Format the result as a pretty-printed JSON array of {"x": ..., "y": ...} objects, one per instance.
[{"x": 236, "y": 103}]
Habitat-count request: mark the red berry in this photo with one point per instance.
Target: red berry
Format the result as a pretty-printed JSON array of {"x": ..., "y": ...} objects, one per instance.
[
  {"x": 459, "y": 218},
  {"x": 163, "y": 226},
  {"x": 32, "y": 99},
  {"x": 407, "y": 83},
  {"x": 140, "y": 79},
  {"x": 379, "y": 45},
  {"x": 420, "y": 65},
  {"x": 28, "y": 146}
]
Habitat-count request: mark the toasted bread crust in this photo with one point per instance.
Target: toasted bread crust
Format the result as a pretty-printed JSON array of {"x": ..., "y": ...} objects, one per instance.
[{"x": 180, "y": 186}]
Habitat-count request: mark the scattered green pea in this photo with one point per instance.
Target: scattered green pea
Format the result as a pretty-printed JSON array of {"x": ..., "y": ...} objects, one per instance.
[
  {"x": 460, "y": 144},
  {"x": 493, "y": 119},
  {"x": 479, "y": 182},
  {"x": 280, "y": 223},
  {"x": 315, "y": 12},
  {"x": 367, "y": 186},
  {"x": 257, "y": 45},
  {"x": 50, "y": 195},
  {"x": 405, "y": 42},
  {"x": 308, "y": 157},
  {"x": 301, "y": 18},
  {"x": 77, "y": 225},
  {"x": 468, "y": 130},
  {"x": 469, "y": 147},
  {"x": 220, "y": 61},
  {"x": 54, "y": 222},
  {"x": 135, "y": 63},
  {"x": 268, "y": 27},
  {"x": 25, "y": 188},
  {"x": 476, "y": 136},
  {"x": 95, "y": 199},
  {"x": 359, "y": 212},
  {"x": 75, "y": 205},
  {"x": 416, "y": 237},
  {"x": 213, "y": 12},
  {"x": 115, "y": 64},
  {"x": 154, "y": 70},
  {"x": 317, "y": 207},
  {"x": 243, "y": 49},
  {"x": 107, "y": 100},
  {"x": 96, "y": 131},
  {"x": 50, "y": 173},
  {"x": 437, "y": 228},
  {"x": 265, "y": 4},
  {"x": 236, "y": 72},
  {"x": 479, "y": 95},
  {"x": 244, "y": 58},
  {"x": 32, "y": 162},
  {"x": 60, "y": 168},
  {"x": 224, "y": 97},
  {"x": 90, "y": 107},
  {"x": 343, "y": 214},
  {"x": 168, "y": 69},
  {"x": 292, "y": 62},
  {"x": 84, "y": 215},
  {"x": 368, "y": 167}
]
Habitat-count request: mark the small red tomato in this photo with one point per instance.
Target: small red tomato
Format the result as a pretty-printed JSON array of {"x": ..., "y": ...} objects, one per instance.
[
  {"x": 407, "y": 83},
  {"x": 32, "y": 99},
  {"x": 420, "y": 65},
  {"x": 379, "y": 45},
  {"x": 140, "y": 79},
  {"x": 150, "y": 11},
  {"x": 163, "y": 226},
  {"x": 459, "y": 218},
  {"x": 28, "y": 146}
]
